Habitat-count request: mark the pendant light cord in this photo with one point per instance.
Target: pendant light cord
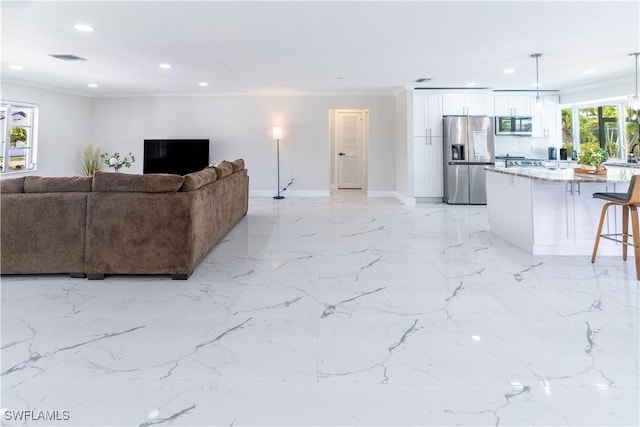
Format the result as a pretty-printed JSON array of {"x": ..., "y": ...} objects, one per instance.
[
  {"x": 538, "y": 100},
  {"x": 538, "y": 79}
]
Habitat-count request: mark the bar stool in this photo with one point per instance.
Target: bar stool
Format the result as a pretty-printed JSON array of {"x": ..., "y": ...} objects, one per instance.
[{"x": 629, "y": 202}]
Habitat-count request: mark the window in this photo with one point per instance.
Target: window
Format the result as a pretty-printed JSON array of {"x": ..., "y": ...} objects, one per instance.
[
  {"x": 600, "y": 125},
  {"x": 19, "y": 127},
  {"x": 567, "y": 130}
]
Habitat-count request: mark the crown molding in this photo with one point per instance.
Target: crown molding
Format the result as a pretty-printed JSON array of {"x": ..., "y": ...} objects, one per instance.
[
  {"x": 35, "y": 85},
  {"x": 598, "y": 85}
]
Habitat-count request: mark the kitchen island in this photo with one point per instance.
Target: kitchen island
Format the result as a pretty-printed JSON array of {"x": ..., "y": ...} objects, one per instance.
[{"x": 552, "y": 212}]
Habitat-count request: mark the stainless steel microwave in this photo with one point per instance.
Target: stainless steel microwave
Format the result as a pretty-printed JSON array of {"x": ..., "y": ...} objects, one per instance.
[{"x": 513, "y": 125}]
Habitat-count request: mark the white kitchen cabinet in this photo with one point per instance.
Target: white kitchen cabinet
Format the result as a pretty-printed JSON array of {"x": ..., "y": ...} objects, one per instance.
[
  {"x": 547, "y": 122},
  {"x": 472, "y": 104},
  {"x": 552, "y": 221},
  {"x": 427, "y": 114},
  {"x": 510, "y": 210},
  {"x": 557, "y": 217},
  {"x": 427, "y": 155},
  {"x": 567, "y": 214},
  {"x": 513, "y": 105}
]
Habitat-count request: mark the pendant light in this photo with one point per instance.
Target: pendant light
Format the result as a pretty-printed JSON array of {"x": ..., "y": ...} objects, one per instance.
[
  {"x": 635, "y": 99},
  {"x": 538, "y": 104}
]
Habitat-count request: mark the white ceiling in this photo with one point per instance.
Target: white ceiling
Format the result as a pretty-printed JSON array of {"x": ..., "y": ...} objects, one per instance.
[{"x": 317, "y": 47}]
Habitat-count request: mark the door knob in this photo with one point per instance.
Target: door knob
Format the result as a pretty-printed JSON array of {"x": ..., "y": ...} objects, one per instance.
[{"x": 342, "y": 154}]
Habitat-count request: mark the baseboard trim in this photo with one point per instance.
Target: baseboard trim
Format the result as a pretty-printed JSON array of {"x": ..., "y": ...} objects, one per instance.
[
  {"x": 428, "y": 200},
  {"x": 291, "y": 193},
  {"x": 409, "y": 201}
]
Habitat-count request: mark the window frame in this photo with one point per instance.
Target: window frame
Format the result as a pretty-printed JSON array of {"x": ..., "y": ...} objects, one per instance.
[
  {"x": 30, "y": 148},
  {"x": 620, "y": 103}
]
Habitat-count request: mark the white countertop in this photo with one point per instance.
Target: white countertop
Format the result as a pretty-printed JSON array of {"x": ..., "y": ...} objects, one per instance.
[{"x": 614, "y": 174}]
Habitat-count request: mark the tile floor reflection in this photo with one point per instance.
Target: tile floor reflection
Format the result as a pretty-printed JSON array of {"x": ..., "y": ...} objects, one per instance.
[{"x": 333, "y": 311}]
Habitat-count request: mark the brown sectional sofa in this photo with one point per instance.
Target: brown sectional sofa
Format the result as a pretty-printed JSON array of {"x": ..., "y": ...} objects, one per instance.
[{"x": 115, "y": 223}]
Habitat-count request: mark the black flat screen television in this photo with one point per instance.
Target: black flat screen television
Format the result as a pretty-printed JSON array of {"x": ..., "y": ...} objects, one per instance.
[{"x": 177, "y": 156}]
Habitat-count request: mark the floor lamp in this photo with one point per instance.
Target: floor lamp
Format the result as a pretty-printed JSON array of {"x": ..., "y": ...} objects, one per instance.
[{"x": 277, "y": 135}]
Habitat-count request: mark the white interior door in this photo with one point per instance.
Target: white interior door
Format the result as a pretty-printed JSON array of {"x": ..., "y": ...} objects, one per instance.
[{"x": 349, "y": 141}]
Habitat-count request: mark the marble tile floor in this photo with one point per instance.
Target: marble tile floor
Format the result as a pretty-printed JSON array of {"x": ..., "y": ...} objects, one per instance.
[{"x": 331, "y": 312}]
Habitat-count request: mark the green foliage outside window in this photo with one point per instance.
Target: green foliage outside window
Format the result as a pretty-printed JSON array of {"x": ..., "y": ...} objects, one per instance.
[
  {"x": 632, "y": 129},
  {"x": 567, "y": 129},
  {"x": 17, "y": 134}
]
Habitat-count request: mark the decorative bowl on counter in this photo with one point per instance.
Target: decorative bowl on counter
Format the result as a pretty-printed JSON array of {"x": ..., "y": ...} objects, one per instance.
[{"x": 591, "y": 170}]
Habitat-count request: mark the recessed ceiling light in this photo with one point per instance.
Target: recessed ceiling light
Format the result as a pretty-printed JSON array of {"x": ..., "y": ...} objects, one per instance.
[
  {"x": 16, "y": 67},
  {"x": 509, "y": 71},
  {"x": 165, "y": 66},
  {"x": 84, "y": 28},
  {"x": 534, "y": 84},
  {"x": 203, "y": 84},
  {"x": 470, "y": 84},
  {"x": 589, "y": 71},
  {"x": 93, "y": 85}
]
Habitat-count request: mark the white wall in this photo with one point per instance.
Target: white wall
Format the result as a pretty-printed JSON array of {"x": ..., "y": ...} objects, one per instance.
[
  {"x": 63, "y": 128},
  {"x": 614, "y": 89},
  {"x": 240, "y": 126}
]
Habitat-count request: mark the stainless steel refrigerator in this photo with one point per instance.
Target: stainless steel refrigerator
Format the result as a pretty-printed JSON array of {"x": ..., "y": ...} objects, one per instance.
[{"x": 468, "y": 148}]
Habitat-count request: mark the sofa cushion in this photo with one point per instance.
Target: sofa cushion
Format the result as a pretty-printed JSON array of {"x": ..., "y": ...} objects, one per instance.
[
  {"x": 57, "y": 184},
  {"x": 110, "y": 182},
  {"x": 238, "y": 165},
  {"x": 223, "y": 168},
  {"x": 198, "y": 179},
  {"x": 12, "y": 185}
]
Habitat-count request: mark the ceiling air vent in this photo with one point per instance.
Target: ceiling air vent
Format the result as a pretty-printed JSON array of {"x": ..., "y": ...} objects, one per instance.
[
  {"x": 68, "y": 57},
  {"x": 423, "y": 79}
]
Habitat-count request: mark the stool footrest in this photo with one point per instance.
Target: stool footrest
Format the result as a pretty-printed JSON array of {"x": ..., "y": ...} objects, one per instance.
[{"x": 614, "y": 235}]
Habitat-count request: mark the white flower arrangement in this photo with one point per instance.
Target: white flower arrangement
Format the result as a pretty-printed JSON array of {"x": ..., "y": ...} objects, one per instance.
[{"x": 116, "y": 162}]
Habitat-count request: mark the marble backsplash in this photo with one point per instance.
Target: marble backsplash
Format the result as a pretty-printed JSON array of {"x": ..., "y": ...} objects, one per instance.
[{"x": 529, "y": 147}]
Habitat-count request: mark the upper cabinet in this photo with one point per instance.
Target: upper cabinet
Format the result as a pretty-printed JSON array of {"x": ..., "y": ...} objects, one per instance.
[
  {"x": 472, "y": 104},
  {"x": 427, "y": 114},
  {"x": 547, "y": 122},
  {"x": 513, "y": 105}
]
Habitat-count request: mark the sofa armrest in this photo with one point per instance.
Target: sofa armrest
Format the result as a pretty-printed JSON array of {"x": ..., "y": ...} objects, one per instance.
[{"x": 43, "y": 233}]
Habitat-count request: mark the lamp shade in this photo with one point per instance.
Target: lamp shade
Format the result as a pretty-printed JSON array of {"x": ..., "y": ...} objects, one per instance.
[{"x": 277, "y": 132}]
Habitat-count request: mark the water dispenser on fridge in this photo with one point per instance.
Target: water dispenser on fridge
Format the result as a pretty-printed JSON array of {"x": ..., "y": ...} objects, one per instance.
[{"x": 457, "y": 152}]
